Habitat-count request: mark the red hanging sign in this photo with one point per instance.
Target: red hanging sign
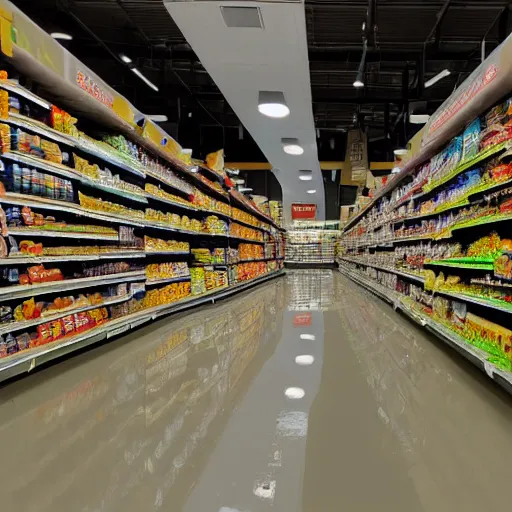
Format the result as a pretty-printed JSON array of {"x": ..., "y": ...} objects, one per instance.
[{"x": 303, "y": 211}]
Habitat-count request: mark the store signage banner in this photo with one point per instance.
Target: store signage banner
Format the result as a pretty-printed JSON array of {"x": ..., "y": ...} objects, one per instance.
[
  {"x": 356, "y": 157},
  {"x": 302, "y": 211}
]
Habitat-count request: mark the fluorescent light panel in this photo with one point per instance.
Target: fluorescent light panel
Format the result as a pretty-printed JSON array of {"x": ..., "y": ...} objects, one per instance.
[
  {"x": 419, "y": 118},
  {"x": 62, "y": 35},
  {"x": 439, "y": 76},
  {"x": 158, "y": 118},
  {"x": 144, "y": 79}
]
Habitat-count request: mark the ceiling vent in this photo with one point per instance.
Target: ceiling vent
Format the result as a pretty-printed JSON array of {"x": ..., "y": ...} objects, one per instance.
[{"x": 242, "y": 17}]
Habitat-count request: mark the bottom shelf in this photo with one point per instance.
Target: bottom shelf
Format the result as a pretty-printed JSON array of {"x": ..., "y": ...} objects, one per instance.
[
  {"x": 476, "y": 356},
  {"x": 27, "y": 360}
]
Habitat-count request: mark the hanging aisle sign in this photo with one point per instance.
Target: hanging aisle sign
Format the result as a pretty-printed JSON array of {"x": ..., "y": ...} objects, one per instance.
[{"x": 303, "y": 211}]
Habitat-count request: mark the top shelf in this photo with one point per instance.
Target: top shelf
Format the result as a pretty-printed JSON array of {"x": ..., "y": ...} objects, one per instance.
[
  {"x": 491, "y": 81},
  {"x": 82, "y": 103}
]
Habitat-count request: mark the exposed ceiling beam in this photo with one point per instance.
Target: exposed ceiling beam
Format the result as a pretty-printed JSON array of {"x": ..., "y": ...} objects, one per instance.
[
  {"x": 436, "y": 29},
  {"x": 353, "y": 54}
]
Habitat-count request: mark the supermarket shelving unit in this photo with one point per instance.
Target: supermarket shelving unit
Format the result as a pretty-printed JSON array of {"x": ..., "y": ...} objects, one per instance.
[
  {"x": 434, "y": 242},
  {"x": 118, "y": 257},
  {"x": 310, "y": 247}
]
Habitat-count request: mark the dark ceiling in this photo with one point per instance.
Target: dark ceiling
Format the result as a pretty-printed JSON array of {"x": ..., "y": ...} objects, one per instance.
[{"x": 408, "y": 41}]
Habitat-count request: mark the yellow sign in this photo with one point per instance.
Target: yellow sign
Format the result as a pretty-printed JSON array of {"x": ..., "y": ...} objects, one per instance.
[
  {"x": 122, "y": 107},
  {"x": 162, "y": 139},
  {"x": 6, "y": 32}
]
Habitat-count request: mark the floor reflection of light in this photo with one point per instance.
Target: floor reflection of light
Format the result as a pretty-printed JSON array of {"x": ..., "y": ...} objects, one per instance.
[
  {"x": 304, "y": 360},
  {"x": 307, "y": 337},
  {"x": 294, "y": 393}
]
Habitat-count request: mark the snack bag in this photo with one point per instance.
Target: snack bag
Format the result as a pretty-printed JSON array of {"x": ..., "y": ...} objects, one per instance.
[{"x": 215, "y": 161}]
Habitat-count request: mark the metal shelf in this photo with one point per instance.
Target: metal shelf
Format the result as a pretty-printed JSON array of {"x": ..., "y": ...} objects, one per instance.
[
  {"x": 32, "y": 260},
  {"x": 19, "y": 326},
  {"x": 32, "y": 290},
  {"x": 64, "y": 206},
  {"x": 167, "y": 280},
  {"x": 60, "y": 234}
]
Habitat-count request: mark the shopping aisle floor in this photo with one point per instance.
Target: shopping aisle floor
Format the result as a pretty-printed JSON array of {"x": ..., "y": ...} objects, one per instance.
[{"x": 204, "y": 413}]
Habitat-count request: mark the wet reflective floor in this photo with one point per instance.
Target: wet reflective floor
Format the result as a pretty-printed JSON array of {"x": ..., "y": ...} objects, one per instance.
[{"x": 303, "y": 394}]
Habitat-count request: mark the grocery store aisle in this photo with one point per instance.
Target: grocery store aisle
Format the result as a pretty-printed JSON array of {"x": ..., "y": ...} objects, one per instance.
[{"x": 303, "y": 394}]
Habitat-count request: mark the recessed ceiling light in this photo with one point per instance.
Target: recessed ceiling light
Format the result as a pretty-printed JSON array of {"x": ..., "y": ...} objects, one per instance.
[
  {"x": 294, "y": 393},
  {"x": 358, "y": 83},
  {"x": 400, "y": 152},
  {"x": 272, "y": 104},
  {"x": 304, "y": 360},
  {"x": 305, "y": 175},
  {"x": 61, "y": 35},
  {"x": 312, "y": 191},
  {"x": 307, "y": 337},
  {"x": 292, "y": 146},
  {"x": 125, "y": 58}
]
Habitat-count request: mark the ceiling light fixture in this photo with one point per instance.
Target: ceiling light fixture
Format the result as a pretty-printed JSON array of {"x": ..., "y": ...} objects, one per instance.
[
  {"x": 359, "y": 81},
  {"x": 308, "y": 337},
  {"x": 419, "y": 118},
  {"x": 400, "y": 152},
  {"x": 292, "y": 146},
  {"x": 245, "y": 190},
  {"x": 312, "y": 191},
  {"x": 439, "y": 76},
  {"x": 125, "y": 58},
  {"x": 62, "y": 35},
  {"x": 305, "y": 175},
  {"x": 144, "y": 79},
  {"x": 272, "y": 104}
]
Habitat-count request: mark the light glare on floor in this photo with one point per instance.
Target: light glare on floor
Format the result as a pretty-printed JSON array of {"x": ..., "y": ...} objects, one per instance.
[
  {"x": 304, "y": 360},
  {"x": 294, "y": 393}
]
